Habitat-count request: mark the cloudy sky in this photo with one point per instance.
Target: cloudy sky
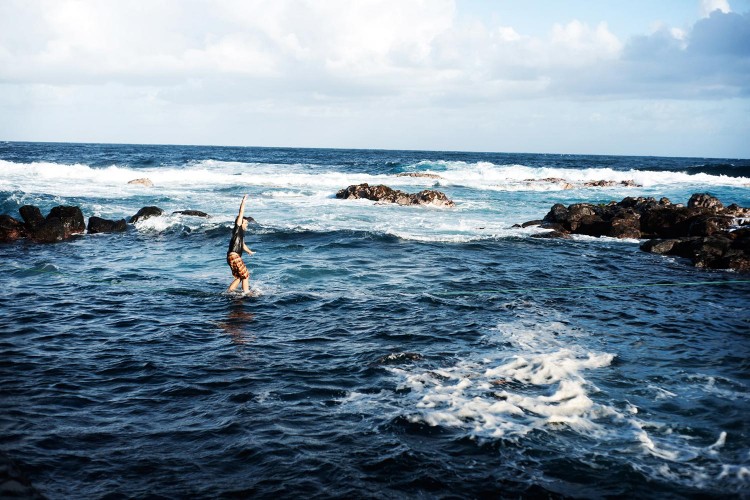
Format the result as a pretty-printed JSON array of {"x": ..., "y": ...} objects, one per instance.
[{"x": 639, "y": 77}]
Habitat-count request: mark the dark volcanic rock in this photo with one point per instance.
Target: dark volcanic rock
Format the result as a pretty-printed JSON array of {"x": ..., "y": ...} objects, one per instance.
[
  {"x": 701, "y": 231},
  {"x": 99, "y": 225},
  {"x": 10, "y": 229},
  {"x": 554, "y": 234},
  {"x": 50, "y": 231},
  {"x": 704, "y": 200},
  {"x": 192, "y": 213},
  {"x": 386, "y": 194},
  {"x": 70, "y": 217},
  {"x": 145, "y": 213},
  {"x": 31, "y": 216}
]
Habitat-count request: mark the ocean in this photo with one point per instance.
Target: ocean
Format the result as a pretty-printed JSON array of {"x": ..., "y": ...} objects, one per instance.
[{"x": 389, "y": 351}]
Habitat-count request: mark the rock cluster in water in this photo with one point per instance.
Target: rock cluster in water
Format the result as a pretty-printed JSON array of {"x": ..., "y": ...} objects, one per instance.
[
  {"x": 64, "y": 222},
  {"x": 386, "y": 194},
  {"x": 704, "y": 231},
  {"x": 564, "y": 184}
]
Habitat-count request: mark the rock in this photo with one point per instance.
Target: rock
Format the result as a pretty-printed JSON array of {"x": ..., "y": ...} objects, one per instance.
[
  {"x": 600, "y": 184},
  {"x": 50, "y": 231},
  {"x": 398, "y": 357},
  {"x": 700, "y": 231},
  {"x": 667, "y": 222},
  {"x": 10, "y": 229},
  {"x": 431, "y": 197},
  {"x": 704, "y": 200},
  {"x": 144, "y": 181},
  {"x": 532, "y": 223},
  {"x": 419, "y": 174},
  {"x": 99, "y": 225},
  {"x": 31, "y": 216},
  {"x": 708, "y": 225},
  {"x": 191, "y": 213},
  {"x": 557, "y": 214},
  {"x": 386, "y": 194},
  {"x": 552, "y": 235},
  {"x": 70, "y": 217},
  {"x": 660, "y": 247},
  {"x": 576, "y": 213},
  {"x": 629, "y": 183},
  {"x": 145, "y": 213},
  {"x": 626, "y": 183},
  {"x": 625, "y": 224},
  {"x": 554, "y": 180}
]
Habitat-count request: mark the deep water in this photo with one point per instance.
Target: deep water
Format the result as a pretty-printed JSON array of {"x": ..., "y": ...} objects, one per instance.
[{"x": 390, "y": 351}]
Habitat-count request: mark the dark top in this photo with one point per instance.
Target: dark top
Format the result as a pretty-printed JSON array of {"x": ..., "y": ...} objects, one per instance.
[{"x": 237, "y": 241}]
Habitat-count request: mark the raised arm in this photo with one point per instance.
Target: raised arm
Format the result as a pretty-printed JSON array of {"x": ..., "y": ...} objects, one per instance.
[{"x": 238, "y": 220}]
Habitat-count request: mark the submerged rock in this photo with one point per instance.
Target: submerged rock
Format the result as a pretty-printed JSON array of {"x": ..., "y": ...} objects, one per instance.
[
  {"x": 192, "y": 213},
  {"x": 99, "y": 225},
  {"x": 383, "y": 193},
  {"x": 419, "y": 174},
  {"x": 145, "y": 213},
  {"x": 398, "y": 357},
  {"x": 603, "y": 183},
  {"x": 144, "y": 181}
]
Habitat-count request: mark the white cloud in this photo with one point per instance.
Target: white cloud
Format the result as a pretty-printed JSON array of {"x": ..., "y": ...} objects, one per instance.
[{"x": 708, "y": 6}]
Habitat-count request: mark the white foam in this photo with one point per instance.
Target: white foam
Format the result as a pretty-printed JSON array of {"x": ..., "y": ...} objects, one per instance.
[
  {"x": 484, "y": 175},
  {"x": 538, "y": 380},
  {"x": 510, "y": 396}
]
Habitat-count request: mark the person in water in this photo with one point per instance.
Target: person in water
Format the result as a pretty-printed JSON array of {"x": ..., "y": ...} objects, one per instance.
[{"x": 234, "y": 253}]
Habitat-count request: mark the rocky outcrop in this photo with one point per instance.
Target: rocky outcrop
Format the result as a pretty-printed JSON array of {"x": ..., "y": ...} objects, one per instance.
[
  {"x": 71, "y": 219},
  {"x": 701, "y": 231},
  {"x": 191, "y": 213},
  {"x": 61, "y": 223},
  {"x": 721, "y": 250},
  {"x": 627, "y": 183},
  {"x": 145, "y": 213},
  {"x": 565, "y": 184},
  {"x": 31, "y": 216},
  {"x": 144, "y": 181},
  {"x": 99, "y": 225},
  {"x": 11, "y": 229},
  {"x": 386, "y": 194}
]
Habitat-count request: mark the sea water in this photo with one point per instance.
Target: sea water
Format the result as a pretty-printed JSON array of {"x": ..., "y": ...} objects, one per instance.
[{"x": 389, "y": 351}]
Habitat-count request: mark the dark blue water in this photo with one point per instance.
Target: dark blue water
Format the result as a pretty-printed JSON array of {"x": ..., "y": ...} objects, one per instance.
[{"x": 390, "y": 352}]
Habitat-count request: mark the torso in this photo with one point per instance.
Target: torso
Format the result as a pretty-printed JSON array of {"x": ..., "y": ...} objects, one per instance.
[{"x": 237, "y": 241}]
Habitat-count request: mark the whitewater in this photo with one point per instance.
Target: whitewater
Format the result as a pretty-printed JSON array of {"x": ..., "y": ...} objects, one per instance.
[{"x": 391, "y": 351}]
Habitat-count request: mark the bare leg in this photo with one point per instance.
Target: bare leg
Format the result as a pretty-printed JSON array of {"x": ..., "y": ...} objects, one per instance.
[
  {"x": 233, "y": 285},
  {"x": 246, "y": 286}
]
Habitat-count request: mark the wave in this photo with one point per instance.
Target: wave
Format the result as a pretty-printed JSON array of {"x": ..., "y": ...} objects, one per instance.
[
  {"x": 484, "y": 175},
  {"x": 308, "y": 180}
]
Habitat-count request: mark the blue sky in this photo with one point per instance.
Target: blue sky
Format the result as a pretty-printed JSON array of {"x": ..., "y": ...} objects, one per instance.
[{"x": 669, "y": 78}]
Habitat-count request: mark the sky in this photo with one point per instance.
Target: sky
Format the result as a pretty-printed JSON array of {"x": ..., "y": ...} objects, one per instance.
[{"x": 623, "y": 77}]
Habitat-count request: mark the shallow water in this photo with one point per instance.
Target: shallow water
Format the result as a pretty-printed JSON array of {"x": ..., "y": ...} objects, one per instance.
[{"x": 391, "y": 351}]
